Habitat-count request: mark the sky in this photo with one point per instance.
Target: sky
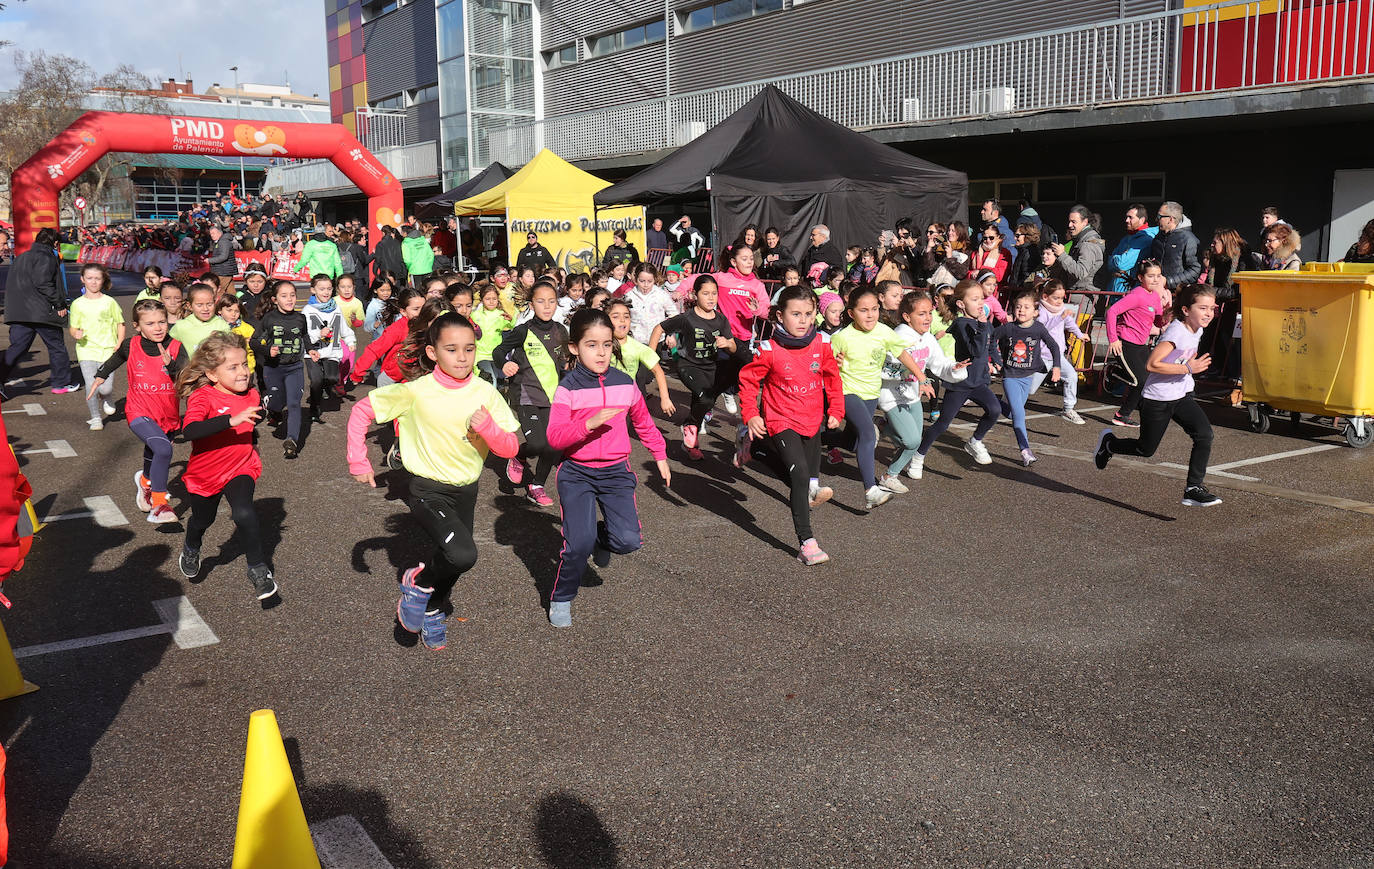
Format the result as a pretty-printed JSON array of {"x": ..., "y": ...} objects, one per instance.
[{"x": 272, "y": 41}]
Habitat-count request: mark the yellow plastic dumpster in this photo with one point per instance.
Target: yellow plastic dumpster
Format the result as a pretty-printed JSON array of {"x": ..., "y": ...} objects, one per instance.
[{"x": 1307, "y": 344}]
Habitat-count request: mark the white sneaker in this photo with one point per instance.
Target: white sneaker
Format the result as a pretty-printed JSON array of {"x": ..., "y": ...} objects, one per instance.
[
  {"x": 876, "y": 496},
  {"x": 979, "y": 452},
  {"x": 917, "y": 466},
  {"x": 892, "y": 484},
  {"x": 161, "y": 514},
  {"x": 1072, "y": 416},
  {"x": 95, "y": 424},
  {"x": 820, "y": 494},
  {"x": 560, "y": 614},
  {"x": 109, "y": 409},
  {"x": 731, "y": 403}
]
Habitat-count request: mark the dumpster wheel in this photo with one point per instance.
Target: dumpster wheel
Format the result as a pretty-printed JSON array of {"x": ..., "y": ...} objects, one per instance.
[
  {"x": 1359, "y": 431},
  {"x": 1259, "y": 418}
]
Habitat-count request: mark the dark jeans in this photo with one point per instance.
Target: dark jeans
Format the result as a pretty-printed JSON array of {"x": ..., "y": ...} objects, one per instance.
[
  {"x": 1154, "y": 420},
  {"x": 955, "y": 396},
  {"x": 21, "y": 339},
  {"x": 1135, "y": 357},
  {"x": 445, "y": 512},
  {"x": 239, "y": 491},
  {"x": 581, "y": 489}
]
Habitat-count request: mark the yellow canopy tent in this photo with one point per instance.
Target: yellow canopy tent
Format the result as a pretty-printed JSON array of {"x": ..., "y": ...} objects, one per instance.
[{"x": 553, "y": 198}]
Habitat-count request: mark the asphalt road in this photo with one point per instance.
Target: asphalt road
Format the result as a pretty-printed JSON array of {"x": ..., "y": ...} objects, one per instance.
[{"x": 1005, "y": 667}]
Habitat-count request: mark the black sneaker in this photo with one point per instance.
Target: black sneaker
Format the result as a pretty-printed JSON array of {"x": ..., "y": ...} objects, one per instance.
[
  {"x": 1198, "y": 496},
  {"x": 317, "y": 418},
  {"x": 290, "y": 449},
  {"x": 189, "y": 562},
  {"x": 1124, "y": 421},
  {"x": 263, "y": 583},
  {"x": 1103, "y": 454}
]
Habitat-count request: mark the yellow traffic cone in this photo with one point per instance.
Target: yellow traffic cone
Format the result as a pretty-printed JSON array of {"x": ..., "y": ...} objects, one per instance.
[
  {"x": 12, "y": 682},
  {"x": 272, "y": 832}
]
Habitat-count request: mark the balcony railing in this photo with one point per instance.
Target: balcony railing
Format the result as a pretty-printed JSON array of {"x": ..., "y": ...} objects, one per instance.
[
  {"x": 407, "y": 163},
  {"x": 1229, "y": 46}
]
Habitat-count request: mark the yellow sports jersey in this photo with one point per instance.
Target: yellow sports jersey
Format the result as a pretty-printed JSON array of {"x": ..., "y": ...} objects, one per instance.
[
  {"x": 864, "y": 354},
  {"x": 435, "y": 440},
  {"x": 634, "y": 355},
  {"x": 99, "y": 317}
]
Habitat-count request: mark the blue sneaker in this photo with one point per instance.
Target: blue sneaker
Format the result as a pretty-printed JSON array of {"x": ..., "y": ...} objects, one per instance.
[
  {"x": 410, "y": 609},
  {"x": 560, "y": 613},
  {"x": 435, "y": 631}
]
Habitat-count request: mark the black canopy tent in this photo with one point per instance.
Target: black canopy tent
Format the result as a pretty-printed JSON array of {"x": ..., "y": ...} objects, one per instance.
[
  {"x": 442, "y": 205},
  {"x": 777, "y": 163}
]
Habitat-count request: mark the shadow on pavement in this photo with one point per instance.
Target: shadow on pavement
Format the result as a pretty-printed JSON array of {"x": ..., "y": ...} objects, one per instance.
[
  {"x": 400, "y": 845},
  {"x": 571, "y": 836}
]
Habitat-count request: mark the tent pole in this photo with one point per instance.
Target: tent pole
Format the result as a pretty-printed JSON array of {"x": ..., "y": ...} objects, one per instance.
[
  {"x": 711, "y": 200},
  {"x": 596, "y": 229},
  {"x": 458, "y": 239}
]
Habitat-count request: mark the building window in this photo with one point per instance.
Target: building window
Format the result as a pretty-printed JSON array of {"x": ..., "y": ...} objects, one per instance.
[
  {"x": 565, "y": 56},
  {"x": 1146, "y": 186},
  {"x": 723, "y": 13},
  {"x": 396, "y": 102},
  {"x": 644, "y": 34},
  {"x": 423, "y": 95}
]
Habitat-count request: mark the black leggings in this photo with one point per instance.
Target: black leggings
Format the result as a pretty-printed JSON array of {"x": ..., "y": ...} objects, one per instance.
[
  {"x": 801, "y": 463},
  {"x": 284, "y": 386},
  {"x": 239, "y": 491},
  {"x": 534, "y": 422},
  {"x": 1154, "y": 421},
  {"x": 703, "y": 384},
  {"x": 955, "y": 396},
  {"x": 1135, "y": 356},
  {"x": 445, "y": 512},
  {"x": 326, "y": 371}
]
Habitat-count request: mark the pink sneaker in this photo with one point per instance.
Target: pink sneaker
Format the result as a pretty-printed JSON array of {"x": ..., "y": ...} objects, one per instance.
[
  {"x": 143, "y": 492},
  {"x": 695, "y": 454},
  {"x": 811, "y": 553},
  {"x": 161, "y": 514},
  {"x": 515, "y": 470},
  {"x": 537, "y": 496},
  {"x": 689, "y": 437}
]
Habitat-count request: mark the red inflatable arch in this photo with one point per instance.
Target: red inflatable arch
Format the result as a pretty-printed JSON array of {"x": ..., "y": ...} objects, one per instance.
[{"x": 34, "y": 186}]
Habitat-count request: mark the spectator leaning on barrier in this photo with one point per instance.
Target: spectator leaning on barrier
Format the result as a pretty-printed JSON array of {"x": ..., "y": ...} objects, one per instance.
[
  {"x": 1078, "y": 261},
  {"x": 1140, "y": 237},
  {"x": 1176, "y": 248},
  {"x": 222, "y": 261}
]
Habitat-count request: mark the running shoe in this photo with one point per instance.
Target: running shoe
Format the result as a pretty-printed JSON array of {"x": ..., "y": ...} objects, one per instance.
[
  {"x": 743, "y": 445},
  {"x": 979, "y": 452},
  {"x": 1028, "y": 458},
  {"x": 290, "y": 449},
  {"x": 515, "y": 470},
  {"x": 143, "y": 492},
  {"x": 1103, "y": 453},
  {"x": 731, "y": 403},
  {"x": 434, "y": 631},
  {"x": 1126, "y": 421},
  {"x": 917, "y": 467},
  {"x": 161, "y": 514},
  {"x": 689, "y": 436},
  {"x": 833, "y": 456},
  {"x": 934, "y": 415},
  {"x": 706, "y": 420},
  {"x": 601, "y": 556},
  {"x": 393, "y": 457},
  {"x": 1072, "y": 416},
  {"x": 63, "y": 390},
  {"x": 560, "y": 613},
  {"x": 1198, "y": 496},
  {"x": 538, "y": 497},
  {"x": 820, "y": 494},
  {"x": 189, "y": 562},
  {"x": 876, "y": 496},
  {"x": 108, "y": 408},
  {"x": 264, "y": 584},
  {"x": 95, "y": 424},
  {"x": 410, "y": 609},
  {"x": 811, "y": 553},
  {"x": 892, "y": 484},
  {"x": 695, "y": 454}
]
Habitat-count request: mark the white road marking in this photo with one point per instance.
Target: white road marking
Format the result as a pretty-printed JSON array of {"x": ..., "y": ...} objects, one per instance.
[
  {"x": 1272, "y": 457},
  {"x": 1212, "y": 472},
  {"x": 58, "y": 449},
  {"x": 342, "y": 843},
  {"x": 28, "y": 409},
  {"x": 179, "y": 619},
  {"x": 101, "y": 508},
  {"x": 1007, "y": 420}
]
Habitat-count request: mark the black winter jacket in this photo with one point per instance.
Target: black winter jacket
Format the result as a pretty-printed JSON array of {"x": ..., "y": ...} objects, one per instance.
[{"x": 34, "y": 292}]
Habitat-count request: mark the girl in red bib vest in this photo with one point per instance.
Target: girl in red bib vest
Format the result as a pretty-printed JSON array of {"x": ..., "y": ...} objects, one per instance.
[{"x": 154, "y": 359}]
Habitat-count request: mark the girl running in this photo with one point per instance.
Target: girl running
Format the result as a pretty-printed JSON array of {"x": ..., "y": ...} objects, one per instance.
[
  {"x": 151, "y": 405},
  {"x": 221, "y": 410},
  {"x": 1131, "y": 320},
  {"x": 329, "y": 333},
  {"x": 832, "y": 312},
  {"x": 796, "y": 372},
  {"x": 900, "y": 398},
  {"x": 535, "y": 354},
  {"x": 97, "y": 325},
  {"x": 346, "y": 291},
  {"x": 698, "y": 336},
  {"x": 280, "y": 344},
  {"x": 448, "y": 422},
  {"x": 230, "y": 310},
  {"x": 631, "y": 355},
  {"x": 861, "y": 349},
  {"x": 1168, "y": 394},
  {"x": 1058, "y": 318},
  {"x": 202, "y": 321},
  {"x": 973, "y": 344},
  {"x": 407, "y": 306},
  {"x": 173, "y": 300},
  {"x": 586, "y": 423},
  {"x": 649, "y": 303},
  {"x": 373, "y": 320},
  {"x": 1020, "y": 343},
  {"x": 152, "y": 285},
  {"x": 492, "y": 322},
  {"x": 743, "y": 298}
]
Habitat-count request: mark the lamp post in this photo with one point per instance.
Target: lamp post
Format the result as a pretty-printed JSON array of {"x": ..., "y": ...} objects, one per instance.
[{"x": 238, "y": 113}]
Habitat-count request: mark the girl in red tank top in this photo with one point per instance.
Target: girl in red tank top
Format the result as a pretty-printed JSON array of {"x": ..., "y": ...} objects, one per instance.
[{"x": 151, "y": 407}]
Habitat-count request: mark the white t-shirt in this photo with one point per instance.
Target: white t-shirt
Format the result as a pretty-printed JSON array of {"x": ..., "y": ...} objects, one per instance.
[{"x": 1172, "y": 387}]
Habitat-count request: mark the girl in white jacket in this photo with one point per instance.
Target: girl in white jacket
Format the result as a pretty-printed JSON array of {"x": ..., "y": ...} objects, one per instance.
[
  {"x": 650, "y": 304},
  {"x": 329, "y": 332},
  {"x": 900, "y": 398}
]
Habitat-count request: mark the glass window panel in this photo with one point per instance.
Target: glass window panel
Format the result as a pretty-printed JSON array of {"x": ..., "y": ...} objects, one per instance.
[
  {"x": 655, "y": 30},
  {"x": 632, "y": 37},
  {"x": 1106, "y": 188},
  {"x": 453, "y": 89},
  {"x": 1056, "y": 190},
  {"x": 450, "y": 30},
  {"x": 1146, "y": 187},
  {"x": 732, "y": 10},
  {"x": 761, "y": 6},
  {"x": 453, "y": 142},
  {"x": 701, "y": 18}
]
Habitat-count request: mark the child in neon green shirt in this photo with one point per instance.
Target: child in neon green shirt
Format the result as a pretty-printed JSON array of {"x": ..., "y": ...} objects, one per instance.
[{"x": 97, "y": 324}]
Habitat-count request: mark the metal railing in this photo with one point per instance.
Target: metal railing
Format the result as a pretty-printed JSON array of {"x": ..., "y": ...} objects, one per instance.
[
  {"x": 407, "y": 163},
  {"x": 1183, "y": 53},
  {"x": 379, "y": 129}
]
